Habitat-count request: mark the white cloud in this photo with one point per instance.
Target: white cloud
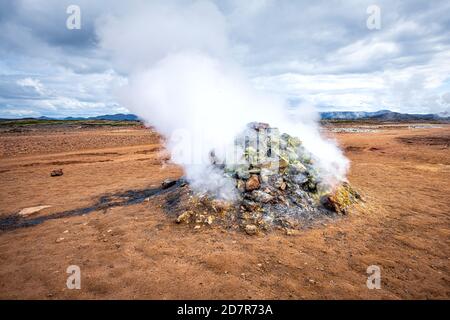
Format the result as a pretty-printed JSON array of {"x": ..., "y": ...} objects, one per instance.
[{"x": 33, "y": 83}]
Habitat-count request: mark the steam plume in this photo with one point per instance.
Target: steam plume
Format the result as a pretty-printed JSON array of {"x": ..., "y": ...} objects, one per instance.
[{"x": 183, "y": 81}]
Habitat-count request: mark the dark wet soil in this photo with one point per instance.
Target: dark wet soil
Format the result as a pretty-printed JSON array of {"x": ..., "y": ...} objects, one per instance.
[{"x": 129, "y": 197}]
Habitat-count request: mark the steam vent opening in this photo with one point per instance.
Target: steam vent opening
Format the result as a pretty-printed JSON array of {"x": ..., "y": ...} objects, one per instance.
[{"x": 277, "y": 185}]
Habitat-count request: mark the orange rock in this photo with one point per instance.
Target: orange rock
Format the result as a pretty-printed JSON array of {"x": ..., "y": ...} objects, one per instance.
[{"x": 252, "y": 183}]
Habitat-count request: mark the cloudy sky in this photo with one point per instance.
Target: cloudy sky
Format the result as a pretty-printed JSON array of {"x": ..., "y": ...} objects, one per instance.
[{"x": 318, "y": 53}]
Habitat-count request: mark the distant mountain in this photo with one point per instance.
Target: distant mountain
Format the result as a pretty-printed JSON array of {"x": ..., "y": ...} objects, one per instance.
[
  {"x": 382, "y": 115},
  {"x": 44, "y": 118},
  {"x": 110, "y": 117},
  {"x": 116, "y": 117}
]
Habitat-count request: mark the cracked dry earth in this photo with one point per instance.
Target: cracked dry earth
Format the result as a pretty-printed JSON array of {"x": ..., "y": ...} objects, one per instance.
[{"x": 137, "y": 251}]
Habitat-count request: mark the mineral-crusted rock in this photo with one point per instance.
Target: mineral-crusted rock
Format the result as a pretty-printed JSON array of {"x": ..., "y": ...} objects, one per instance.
[
  {"x": 184, "y": 217},
  {"x": 341, "y": 199}
]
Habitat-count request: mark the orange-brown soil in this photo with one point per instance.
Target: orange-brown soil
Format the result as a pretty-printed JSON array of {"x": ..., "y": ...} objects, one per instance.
[{"x": 137, "y": 251}]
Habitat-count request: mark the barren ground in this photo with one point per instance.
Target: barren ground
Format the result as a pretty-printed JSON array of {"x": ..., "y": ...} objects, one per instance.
[{"x": 137, "y": 251}]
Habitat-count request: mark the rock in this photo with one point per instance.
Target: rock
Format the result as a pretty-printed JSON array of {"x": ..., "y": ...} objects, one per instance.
[
  {"x": 184, "y": 217},
  {"x": 168, "y": 183},
  {"x": 197, "y": 227},
  {"x": 296, "y": 167},
  {"x": 251, "y": 229},
  {"x": 261, "y": 196},
  {"x": 56, "y": 173},
  {"x": 299, "y": 179},
  {"x": 252, "y": 183},
  {"x": 220, "y": 205},
  {"x": 28, "y": 211},
  {"x": 283, "y": 163},
  {"x": 242, "y": 172},
  {"x": 292, "y": 232},
  {"x": 210, "y": 220},
  {"x": 59, "y": 240},
  {"x": 240, "y": 185},
  {"x": 250, "y": 205},
  {"x": 254, "y": 171},
  {"x": 258, "y": 125},
  {"x": 340, "y": 199}
]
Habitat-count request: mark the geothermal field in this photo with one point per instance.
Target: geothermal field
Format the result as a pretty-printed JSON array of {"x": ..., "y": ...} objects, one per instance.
[{"x": 108, "y": 197}]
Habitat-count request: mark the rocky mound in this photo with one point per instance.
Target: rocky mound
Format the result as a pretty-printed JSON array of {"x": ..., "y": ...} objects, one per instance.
[{"x": 277, "y": 185}]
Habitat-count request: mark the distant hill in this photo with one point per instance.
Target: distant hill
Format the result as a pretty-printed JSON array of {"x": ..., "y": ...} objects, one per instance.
[{"x": 382, "y": 115}]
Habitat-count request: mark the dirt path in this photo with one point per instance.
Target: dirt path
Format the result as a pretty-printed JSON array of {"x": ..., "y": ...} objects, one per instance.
[{"x": 136, "y": 251}]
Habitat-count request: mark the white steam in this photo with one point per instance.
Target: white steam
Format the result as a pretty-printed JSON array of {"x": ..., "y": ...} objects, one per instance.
[{"x": 182, "y": 80}]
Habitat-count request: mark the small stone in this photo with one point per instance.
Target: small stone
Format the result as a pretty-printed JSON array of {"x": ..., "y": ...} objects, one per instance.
[
  {"x": 252, "y": 183},
  {"x": 109, "y": 230},
  {"x": 56, "y": 173},
  {"x": 251, "y": 229},
  {"x": 259, "y": 265},
  {"x": 117, "y": 245},
  {"x": 66, "y": 231},
  {"x": 197, "y": 227},
  {"x": 59, "y": 240},
  {"x": 210, "y": 220}
]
